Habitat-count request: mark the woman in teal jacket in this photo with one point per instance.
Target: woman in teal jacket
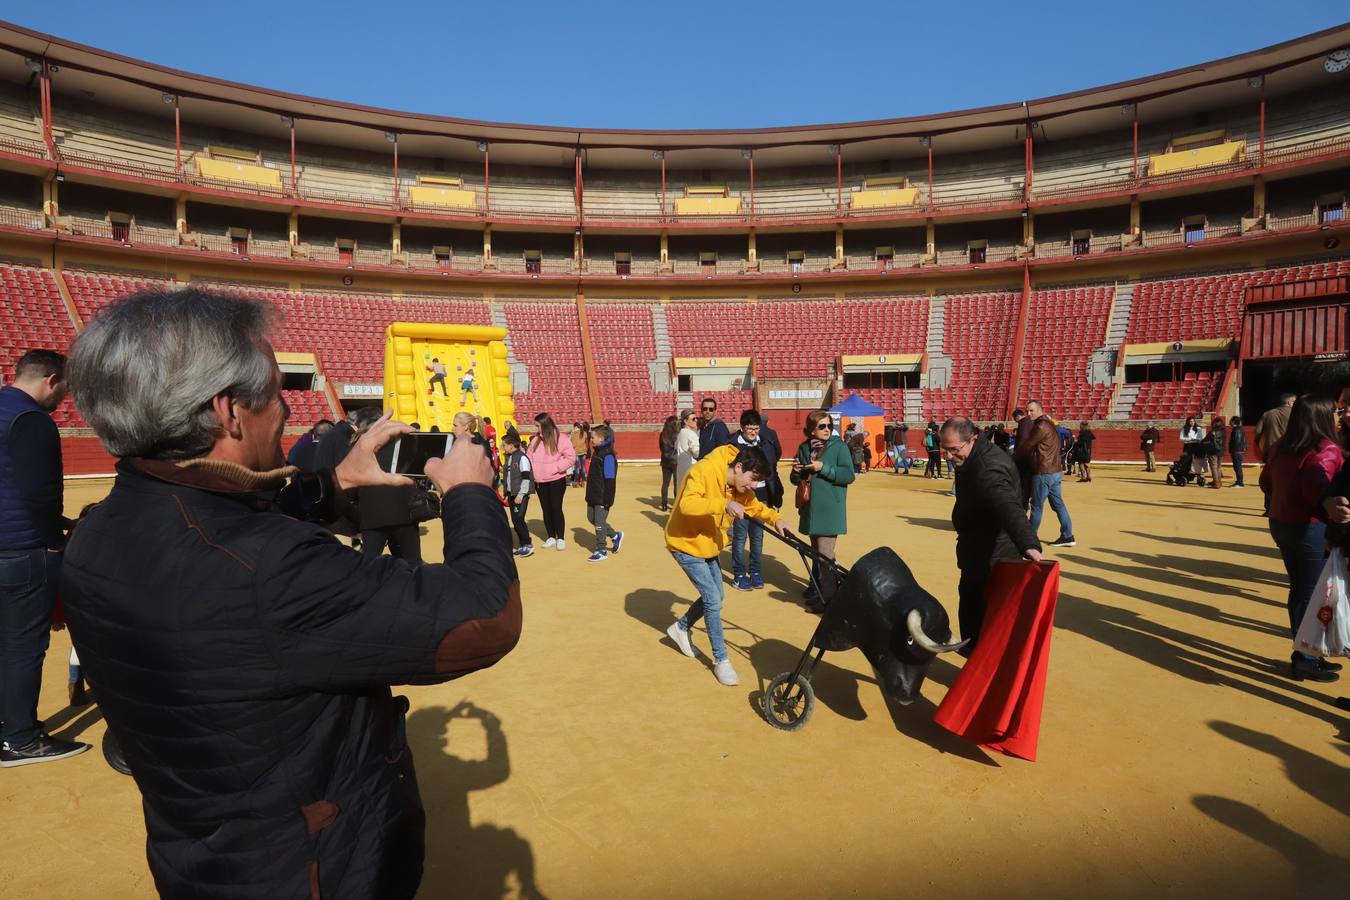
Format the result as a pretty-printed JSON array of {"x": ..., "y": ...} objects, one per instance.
[{"x": 824, "y": 462}]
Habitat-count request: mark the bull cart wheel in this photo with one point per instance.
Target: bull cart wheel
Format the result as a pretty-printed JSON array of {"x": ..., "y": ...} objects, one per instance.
[{"x": 788, "y": 703}]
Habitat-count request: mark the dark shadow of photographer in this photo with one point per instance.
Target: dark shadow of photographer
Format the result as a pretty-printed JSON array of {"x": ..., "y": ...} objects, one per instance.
[{"x": 463, "y": 859}]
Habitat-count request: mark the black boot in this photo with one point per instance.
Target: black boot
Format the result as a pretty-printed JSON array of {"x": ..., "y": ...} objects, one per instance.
[{"x": 1306, "y": 668}]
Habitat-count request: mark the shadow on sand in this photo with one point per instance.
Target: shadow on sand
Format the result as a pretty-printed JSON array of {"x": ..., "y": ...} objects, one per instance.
[
  {"x": 835, "y": 687},
  {"x": 463, "y": 859}
]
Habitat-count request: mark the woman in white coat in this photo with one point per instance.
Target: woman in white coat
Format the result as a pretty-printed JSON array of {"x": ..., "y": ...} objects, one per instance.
[{"x": 686, "y": 447}]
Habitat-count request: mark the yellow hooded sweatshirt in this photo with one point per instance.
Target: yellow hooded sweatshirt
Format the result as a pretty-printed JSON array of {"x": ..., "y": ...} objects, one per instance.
[{"x": 698, "y": 526}]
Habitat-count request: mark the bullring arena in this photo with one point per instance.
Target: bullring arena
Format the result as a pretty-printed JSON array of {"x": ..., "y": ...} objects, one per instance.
[{"x": 1132, "y": 254}]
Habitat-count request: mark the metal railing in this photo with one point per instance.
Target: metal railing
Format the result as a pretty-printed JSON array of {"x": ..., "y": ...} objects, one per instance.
[
  {"x": 925, "y": 205},
  {"x": 22, "y": 218}
]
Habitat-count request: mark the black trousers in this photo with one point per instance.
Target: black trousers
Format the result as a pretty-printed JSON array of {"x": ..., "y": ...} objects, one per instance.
[
  {"x": 518, "y": 511},
  {"x": 551, "y": 495},
  {"x": 970, "y": 613},
  {"x": 667, "y": 479},
  {"x": 404, "y": 542}
]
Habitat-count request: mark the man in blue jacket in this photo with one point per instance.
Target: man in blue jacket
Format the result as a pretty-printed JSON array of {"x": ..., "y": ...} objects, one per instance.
[
  {"x": 32, "y": 533},
  {"x": 713, "y": 433}
]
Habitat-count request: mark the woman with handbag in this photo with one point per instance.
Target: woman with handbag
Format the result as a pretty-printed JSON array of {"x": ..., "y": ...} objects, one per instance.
[
  {"x": 669, "y": 432},
  {"x": 1299, "y": 472},
  {"x": 822, "y": 470}
]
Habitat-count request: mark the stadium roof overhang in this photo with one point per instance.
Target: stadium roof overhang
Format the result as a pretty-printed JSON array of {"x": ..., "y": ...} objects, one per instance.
[{"x": 120, "y": 81}]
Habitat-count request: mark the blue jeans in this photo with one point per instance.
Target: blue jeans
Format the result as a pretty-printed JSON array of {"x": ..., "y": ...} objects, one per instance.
[
  {"x": 1303, "y": 549},
  {"x": 739, "y": 527},
  {"x": 1045, "y": 487},
  {"x": 1237, "y": 466},
  {"x": 706, "y": 574},
  {"x": 28, "y": 580}
]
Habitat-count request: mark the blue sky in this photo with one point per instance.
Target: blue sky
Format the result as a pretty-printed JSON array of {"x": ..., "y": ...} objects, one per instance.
[{"x": 690, "y": 64}]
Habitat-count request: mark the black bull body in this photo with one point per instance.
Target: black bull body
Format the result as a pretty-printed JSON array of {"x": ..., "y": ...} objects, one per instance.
[{"x": 880, "y": 609}]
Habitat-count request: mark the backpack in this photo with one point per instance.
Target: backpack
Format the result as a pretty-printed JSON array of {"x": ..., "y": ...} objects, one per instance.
[{"x": 930, "y": 441}]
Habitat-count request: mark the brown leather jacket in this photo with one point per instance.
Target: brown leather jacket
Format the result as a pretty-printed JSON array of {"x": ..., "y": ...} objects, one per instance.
[{"x": 1039, "y": 453}]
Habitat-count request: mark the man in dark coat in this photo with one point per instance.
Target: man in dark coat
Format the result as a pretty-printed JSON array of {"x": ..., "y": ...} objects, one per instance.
[
  {"x": 987, "y": 516},
  {"x": 386, "y": 516},
  {"x": 244, "y": 657},
  {"x": 32, "y": 533},
  {"x": 713, "y": 432}
]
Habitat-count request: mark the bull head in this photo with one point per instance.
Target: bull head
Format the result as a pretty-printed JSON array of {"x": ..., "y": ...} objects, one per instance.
[{"x": 898, "y": 625}]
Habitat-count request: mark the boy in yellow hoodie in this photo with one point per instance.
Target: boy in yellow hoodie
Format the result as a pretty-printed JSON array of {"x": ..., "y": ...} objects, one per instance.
[{"x": 719, "y": 488}]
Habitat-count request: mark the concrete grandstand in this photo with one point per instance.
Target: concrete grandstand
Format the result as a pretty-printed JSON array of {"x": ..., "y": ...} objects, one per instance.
[{"x": 1095, "y": 249}]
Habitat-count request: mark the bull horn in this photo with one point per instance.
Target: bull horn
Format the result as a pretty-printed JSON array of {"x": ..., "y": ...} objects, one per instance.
[{"x": 915, "y": 623}]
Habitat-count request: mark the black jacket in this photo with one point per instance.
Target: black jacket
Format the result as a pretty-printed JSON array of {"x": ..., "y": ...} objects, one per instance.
[
  {"x": 1237, "y": 440},
  {"x": 988, "y": 507},
  {"x": 244, "y": 659},
  {"x": 602, "y": 476}
]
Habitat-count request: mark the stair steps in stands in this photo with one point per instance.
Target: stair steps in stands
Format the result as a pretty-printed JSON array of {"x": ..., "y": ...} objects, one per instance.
[
  {"x": 1124, "y": 403},
  {"x": 520, "y": 374},
  {"x": 939, "y": 364},
  {"x": 659, "y": 369}
]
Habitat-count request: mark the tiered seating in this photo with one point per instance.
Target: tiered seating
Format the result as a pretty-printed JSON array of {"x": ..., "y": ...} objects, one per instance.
[
  {"x": 307, "y": 407},
  {"x": 346, "y": 331},
  {"x": 1187, "y": 308},
  {"x": 1198, "y": 393},
  {"x": 546, "y": 337},
  {"x": 979, "y": 342},
  {"x": 91, "y": 291},
  {"x": 1063, "y": 328},
  {"x": 800, "y": 338},
  {"x": 33, "y": 317},
  {"x": 623, "y": 342}
]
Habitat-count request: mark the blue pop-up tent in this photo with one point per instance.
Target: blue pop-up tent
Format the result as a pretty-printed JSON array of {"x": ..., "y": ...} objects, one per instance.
[{"x": 855, "y": 407}]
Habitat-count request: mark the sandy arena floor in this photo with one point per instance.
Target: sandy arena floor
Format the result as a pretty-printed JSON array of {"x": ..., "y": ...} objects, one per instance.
[{"x": 595, "y": 761}]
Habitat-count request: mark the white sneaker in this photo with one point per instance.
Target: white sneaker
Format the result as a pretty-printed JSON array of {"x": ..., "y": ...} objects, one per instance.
[
  {"x": 681, "y": 639},
  {"x": 562, "y": 544},
  {"x": 726, "y": 674},
  {"x": 551, "y": 543}
]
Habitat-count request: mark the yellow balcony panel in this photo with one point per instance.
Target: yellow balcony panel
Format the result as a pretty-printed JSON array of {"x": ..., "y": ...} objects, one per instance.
[
  {"x": 446, "y": 197},
  {"x": 886, "y": 197},
  {"x": 707, "y": 206},
  {"x": 1197, "y": 158},
  {"x": 230, "y": 170}
]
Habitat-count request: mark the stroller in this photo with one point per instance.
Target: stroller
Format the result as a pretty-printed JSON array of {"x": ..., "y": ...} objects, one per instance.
[{"x": 1190, "y": 467}]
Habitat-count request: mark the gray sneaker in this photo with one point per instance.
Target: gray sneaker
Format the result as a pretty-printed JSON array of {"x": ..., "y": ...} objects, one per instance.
[
  {"x": 726, "y": 674},
  {"x": 681, "y": 638}
]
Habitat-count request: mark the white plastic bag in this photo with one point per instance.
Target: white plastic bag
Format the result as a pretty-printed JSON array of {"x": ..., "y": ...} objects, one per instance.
[{"x": 1325, "y": 629}]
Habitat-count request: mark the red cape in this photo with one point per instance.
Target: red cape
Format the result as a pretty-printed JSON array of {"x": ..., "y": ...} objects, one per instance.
[{"x": 996, "y": 700}]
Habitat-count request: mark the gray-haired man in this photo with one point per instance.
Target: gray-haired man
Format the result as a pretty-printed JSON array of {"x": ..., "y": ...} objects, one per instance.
[{"x": 243, "y": 656}]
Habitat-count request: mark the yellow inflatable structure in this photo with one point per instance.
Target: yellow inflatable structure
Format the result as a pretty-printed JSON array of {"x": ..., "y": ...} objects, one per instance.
[{"x": 432, "y": 372}]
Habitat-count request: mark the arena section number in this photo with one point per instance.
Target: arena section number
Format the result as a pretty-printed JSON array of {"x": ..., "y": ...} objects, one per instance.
[{"x": 433, "y": 371}]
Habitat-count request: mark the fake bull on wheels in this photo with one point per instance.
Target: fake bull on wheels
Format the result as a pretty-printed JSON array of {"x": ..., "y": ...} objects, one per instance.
[{"x": 877, "y": 607}]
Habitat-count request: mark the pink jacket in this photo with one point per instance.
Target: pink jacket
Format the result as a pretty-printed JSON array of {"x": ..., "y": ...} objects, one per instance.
[
  {"x": 551, "y": 466},
  {"x": 1296, "y": 485}
]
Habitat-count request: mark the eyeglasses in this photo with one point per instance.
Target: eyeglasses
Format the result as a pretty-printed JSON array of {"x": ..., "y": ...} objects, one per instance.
[
  {"x": 825, "y": 425},
  {"x": 710, "y": 409}
]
